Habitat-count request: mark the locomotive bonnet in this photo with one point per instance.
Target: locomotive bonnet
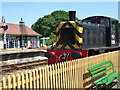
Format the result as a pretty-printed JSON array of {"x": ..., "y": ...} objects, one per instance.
[{"x": 78, "y": 40}]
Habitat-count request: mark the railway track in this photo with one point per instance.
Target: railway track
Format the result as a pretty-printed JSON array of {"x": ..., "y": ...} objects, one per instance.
[{"x": 23, "y": 65}]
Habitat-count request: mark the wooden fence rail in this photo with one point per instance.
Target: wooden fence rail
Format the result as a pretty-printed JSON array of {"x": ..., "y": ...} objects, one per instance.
[{"x": 70, "y": 74}]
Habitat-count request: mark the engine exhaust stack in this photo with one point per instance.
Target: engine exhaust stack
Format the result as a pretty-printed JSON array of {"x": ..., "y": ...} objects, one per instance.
[{"x": 72, "y": 15}]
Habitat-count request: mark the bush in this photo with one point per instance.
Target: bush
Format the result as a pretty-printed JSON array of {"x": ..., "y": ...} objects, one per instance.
[{"x": 51, "y": 40}]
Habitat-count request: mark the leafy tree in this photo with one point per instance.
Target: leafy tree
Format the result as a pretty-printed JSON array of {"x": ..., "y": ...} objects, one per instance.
[
  {"x": 52, "y": 39},
  {"x": 47, "y": 24},
  {"x": 119, "y": 32}
]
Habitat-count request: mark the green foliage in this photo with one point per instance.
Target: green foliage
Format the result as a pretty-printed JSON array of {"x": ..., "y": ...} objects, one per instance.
[
  {"x": 51, "y": 40},
  {"x": 47, "y": 24},
  {"x": 119, "y": 32}
]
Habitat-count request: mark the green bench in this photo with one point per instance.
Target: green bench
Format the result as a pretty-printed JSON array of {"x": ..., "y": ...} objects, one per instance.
[{"x": 99, "y": 76}]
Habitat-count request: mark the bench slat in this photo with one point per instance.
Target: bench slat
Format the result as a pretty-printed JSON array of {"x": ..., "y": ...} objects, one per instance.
[
  {"x": 96, "y": 71},
  {"x": 101, "y": 73},
  {"x": 98, "y": 65},
  {"x": 97, "y": 81}
]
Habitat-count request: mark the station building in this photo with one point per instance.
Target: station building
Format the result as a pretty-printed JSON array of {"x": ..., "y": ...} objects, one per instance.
[
  {"x": 43, "y": 41},
  {"x": 14, "y": 36}
]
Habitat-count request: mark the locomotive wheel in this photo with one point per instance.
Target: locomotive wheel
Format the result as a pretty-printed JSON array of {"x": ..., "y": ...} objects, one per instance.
[
  {"x": 76, "y": 55},
  {"x": 48, "y": 54},
  {"x": 97, "y": 52},
  {"x": 91, "y": 52}
]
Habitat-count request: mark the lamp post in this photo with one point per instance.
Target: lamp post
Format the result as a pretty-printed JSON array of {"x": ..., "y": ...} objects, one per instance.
[
  {"x": 5, "y": 27},
  {"x": 21, "y": 23}
]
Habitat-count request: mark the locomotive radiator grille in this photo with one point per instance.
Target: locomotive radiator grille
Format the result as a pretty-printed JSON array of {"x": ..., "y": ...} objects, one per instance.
[{"x": 69, "y": 35}]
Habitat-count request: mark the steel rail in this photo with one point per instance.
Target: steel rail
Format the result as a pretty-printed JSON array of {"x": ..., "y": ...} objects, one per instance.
[{"x": 23, "y": 65}]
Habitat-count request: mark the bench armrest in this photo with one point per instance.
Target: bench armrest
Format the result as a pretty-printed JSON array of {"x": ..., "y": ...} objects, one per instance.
[{"x": 106, "y": 80}]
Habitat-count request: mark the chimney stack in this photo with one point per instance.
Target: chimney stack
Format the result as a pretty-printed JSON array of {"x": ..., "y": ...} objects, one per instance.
[{"x": 72, "y": 15}]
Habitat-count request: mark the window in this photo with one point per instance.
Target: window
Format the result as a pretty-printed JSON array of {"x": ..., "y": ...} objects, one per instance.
[{"x": 105, "y": 22}]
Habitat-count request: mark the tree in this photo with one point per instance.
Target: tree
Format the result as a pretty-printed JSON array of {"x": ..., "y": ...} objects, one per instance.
[
  {"x": 52, "y": 39},
  {"x": 119, "y": 32},
  {"x": 47, "y": 24}
]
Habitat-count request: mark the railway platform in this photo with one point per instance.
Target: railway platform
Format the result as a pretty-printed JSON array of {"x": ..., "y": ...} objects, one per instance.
[
  {"x": 15, "y": 56},
  {"x": 11, "y": 51}
]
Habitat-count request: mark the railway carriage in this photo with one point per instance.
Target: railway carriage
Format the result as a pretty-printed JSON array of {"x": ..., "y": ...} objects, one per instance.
[{"x": 78, "y": 40}]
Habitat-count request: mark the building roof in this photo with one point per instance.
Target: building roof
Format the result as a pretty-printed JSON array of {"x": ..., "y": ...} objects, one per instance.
[{"x": 15, "y": 29}]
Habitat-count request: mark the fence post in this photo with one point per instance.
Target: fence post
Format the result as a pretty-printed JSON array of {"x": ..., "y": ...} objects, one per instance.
[
  {"x": 9, "y": 82},
  {"x": 37, "y": 78},
  {"x": 26, "y": 80},
  {"x": 51, "y": 83},
  {"x": 68, "y": 78},
  {"x": 71, "y": 74},
  {"x": 56, "y": 78},
  {"x": 14, "y": 81},
  {"x": 46, "y": 82},
  {"x": 30, "y": 79},
  {"x": 18, "y": 80},
  {"x": 40, "y": 76},
  {"x": 34, "y": 81},
  {"x": 4, "y": 83},
  {"x": 61, "y": 75},
  {"x": 82, "y": 70},
  {"x": 53, "y": 76},
  {"x": 43, "y": 76},
  {"x": 76, "y": 77},
  {"x": 48, "y": 79},
  {"x": 22, "y": 81},
  {"x": 58, "y": 65},
  {"x": 65, "y": 75}
]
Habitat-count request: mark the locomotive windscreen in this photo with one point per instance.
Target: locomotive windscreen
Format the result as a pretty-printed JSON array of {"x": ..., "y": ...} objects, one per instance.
[{"x": 67, "y": 36}]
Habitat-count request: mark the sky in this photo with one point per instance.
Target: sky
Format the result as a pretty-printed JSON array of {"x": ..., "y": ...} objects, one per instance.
[
  {"x": 32, "y": 11},
  {"x": 119, "y": 11}
]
